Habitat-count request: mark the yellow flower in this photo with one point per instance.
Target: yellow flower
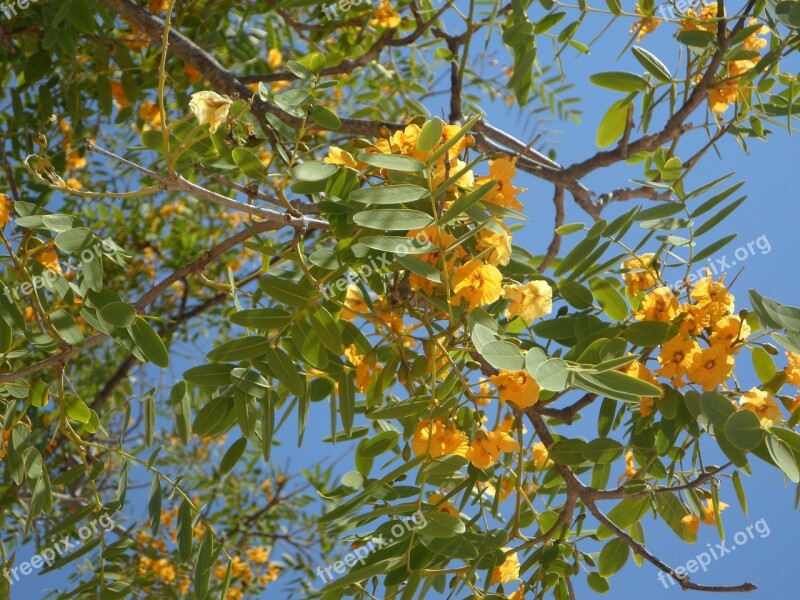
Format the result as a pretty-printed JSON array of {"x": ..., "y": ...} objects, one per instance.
[
  {"x": 518, "y": 595},
  {"x": 630, "y": 468},
  {"x": 258, "y": 555},
  {"x": 502, "y": 171},
  {"x": 193, "y": 74},
  {"x": 793, "y": 368},
  {"x": 529, "y": 301},
  {"x": 5, "y": 210},
  {"x": 484, "y": 395},
  {"x": 119, "y": 94},
  {"x": 659, "y": 305},
  {"x": 48, "y": 258},
  {"x": 438, "y": 438},
  {"x": 499, "y": 242},
  {"x": 73, "y": 184},
  {"x": 710, "y": 367},
  {"x": 752, "y": 42},
  {"x": 477, "y": 283},
  {"x": 695, "y": 22},
  {"x": 645, "y": 25},
  {"x": 274, "y": 58},
  {"x": 508, "y": 571},
  {"x": 763, "y": 404},
  {"x": 354, "y": 300},
  {"x": 337, "y": 156},
  {"x": 640, "y": 274},
  {"x": 385, "y": 17},
  {"x": 694, "y": 320},
  {"x": 713, "y": 297},
  {"x": 365, "y": 368},
  {"x": 518, "y": 387},
  {"x": 486, "y": 448},
  {"x": 729, "y": 332},
  {"x": 149, "y": 112},
  {"x": 691, "y": 523},
  {"x": 640, "y": 371},
  {"x": 442, "y": 240},
  {"x": 540, "y": 455},
  {"x": 210, "y": 108},
  {"x": 709, "y": 518},
  {"x": 445, "y": 507}
]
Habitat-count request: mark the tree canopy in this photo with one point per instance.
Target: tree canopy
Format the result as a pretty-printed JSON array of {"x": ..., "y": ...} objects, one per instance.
[{"x": 225, "y": 222}]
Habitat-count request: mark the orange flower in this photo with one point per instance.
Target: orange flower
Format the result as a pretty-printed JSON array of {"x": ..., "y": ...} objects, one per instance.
[
  {"x": 486, "y": 448},
  {"x": 729, "y": 332},
  {"x": 763, "y": 405},
  {"x": 366, "y": 369},
  {"x": 518, "y": 387},
  {"x": 709, "y": 518},
  {"x": 119, "y": 94},
  {"x": 445, "y": 507},
  {"x": 676, "y": 356},
  {"x": 438, "y": 438},
  {"x": 477, "y": 283},
  {"x": 508, "y": 571},
  {"x": 710, "y": 367},
  {"x": 793, "y": 368},
  {"x": 502, "y": 171},
  {"x": 659, "y": 305},
  {"x": 639, "y": 273},
  {"x": 5, "y": 210},
  {"x": 540, "y": 455},
  {"x": 691, "y": 523},
  {"x": 640, "y": 371},
  {"x": 645, "y": 25}
]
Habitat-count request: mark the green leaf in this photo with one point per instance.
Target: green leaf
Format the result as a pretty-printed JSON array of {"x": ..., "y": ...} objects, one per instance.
[
  {"x": 396, "y": 219},
  {"x": 74, "y": 240},
  {"x": 313, "y": 170},
  {"x": 650, "y": 333},
  {"x": 285, "y": 291},
  {"x": 717, "y": 408},
  {"x": 602, "y": 451},
  {"x": 609, "y": 298},
  {"x": 391, "y": 162},
  {"x": 714, "y": 248},
  {"x": 466, "y": 201},
  {"x": 613, "y": 123},
  {"x": 66, "y": 328},
  {"x": 212, "y": 374},
  {"x": 232, "y": 455},
  {"x": 568, "y": 452},
  {"x": 203, "y": 566},
  {"x": 783, "y": 457},
  {"x": 77, "y": 410},
  {"x": 397, "y": 244},
  {"x": 552, "y": 374},
  {"x": 149, "y": 418},
  {"x": 763, "y": 364},
  {"x": 672, "y": 510},
  {"x": 653, "y": 65},
  {"x": 263, "y": 319},
  {"x": 329, "y": 332},
  {"x": 267, "y": 426},
  {"x": 285, "y": 370},
  {"x": 325, "y": 117},
  {"x": 375, "y": 446},
  {"x": 185, "y": 531},
  {"x": 421, "y": 268},
  {"x": 249, "y": 163},
  {"x": 718, "y": 217},
  {"x": 598, "y": 583},
  {"x": 613, "y": 557},
  {"x": 389, "y": 194},
  {"x": 624, "y": 515},
  {"x": 149, "y": 343},
  {"x": 154, "y": 504},
  {"x": 118, "y": 314},
  {"x": 743, "y": 430},
  {"x": 503, "y": 355},
  {"x": 253, "y": 346},
  {"x": 429, "y": 135},
  {"x": 740, "y": 495},
  {"x": 442, "y": 525},
  {"x": 620, "y": 81},
  {"x": 347, "y": 401}
]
